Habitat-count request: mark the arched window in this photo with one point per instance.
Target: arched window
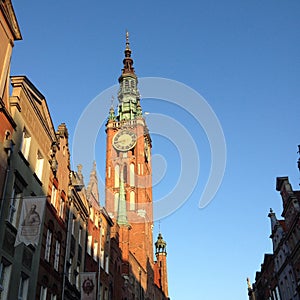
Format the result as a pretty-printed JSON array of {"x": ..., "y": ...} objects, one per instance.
[
  {"x": 132, "y": 201},
  {"x": 117, "y": 176},
  {"x": 132, "y": 174}
]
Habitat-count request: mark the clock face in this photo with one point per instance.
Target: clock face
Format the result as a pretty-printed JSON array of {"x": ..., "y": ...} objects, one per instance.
[{"x": 124, "y": 140}]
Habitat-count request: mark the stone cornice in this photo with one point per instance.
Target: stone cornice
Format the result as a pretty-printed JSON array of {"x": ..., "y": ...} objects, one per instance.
[{"x": 9, "y": 14}]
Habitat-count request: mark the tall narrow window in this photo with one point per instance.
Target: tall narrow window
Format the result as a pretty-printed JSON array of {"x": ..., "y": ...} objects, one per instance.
[
  {"x": 106, "y": 263},
  {"x": 53, "y": 195},
  {"x": 48, "y": 245},
  {"x": 102, "y": 258},
  {"x": 79, "y": 235},
  {"x": 23, "y": 287},
  {"x": 132, "y": 201},
  {"x": 25, "y": 144},
  {"x": 73, "y": 225},
  {"x": 61, "y": 207},
  {"x": 43, "y": 293},
  {"x": 39, "y": 165},
  {"x": 117, "y": 176},
  {"x": 69, "y": 269},
  {"x": 89, "y": 245},
  {"x": 5, "y": 271},
  {"x": 277, "y": 293},
  {"x": 132, "y": 174},
  {"x": 77, "y": 277},
  {"x": 116, "y": 204},
  {"x": 57, "y": 255},
  {"x": 95, "y": 252}
]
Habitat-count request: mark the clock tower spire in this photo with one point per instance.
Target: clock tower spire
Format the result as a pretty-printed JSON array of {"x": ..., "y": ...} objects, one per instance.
[
  {"x": 128, "y": 192},
  {"x": 128, "y": 94},
  {"x": 128, "y": 167}
]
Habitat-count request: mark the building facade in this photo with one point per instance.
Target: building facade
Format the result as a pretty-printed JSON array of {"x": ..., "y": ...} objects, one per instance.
[
  {"x": 53, "y": 247},
  {"x": 279, "y": 277}
]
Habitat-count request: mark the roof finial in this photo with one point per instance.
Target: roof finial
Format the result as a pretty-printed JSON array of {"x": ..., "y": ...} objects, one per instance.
[{"x": 274, "y": 221}]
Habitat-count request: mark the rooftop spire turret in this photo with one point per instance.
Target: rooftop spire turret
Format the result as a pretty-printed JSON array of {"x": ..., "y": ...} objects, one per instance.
[
  {"x": 160, "y": 245},
  {"x": 161, "y": 264}
]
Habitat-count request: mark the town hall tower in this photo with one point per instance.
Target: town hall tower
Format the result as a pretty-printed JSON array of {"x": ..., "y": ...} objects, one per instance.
[{"x": 129, "y": 180}]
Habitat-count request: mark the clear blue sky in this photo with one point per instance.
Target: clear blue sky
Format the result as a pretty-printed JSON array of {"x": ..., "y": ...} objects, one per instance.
[{"x": 243, "y": 57}]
